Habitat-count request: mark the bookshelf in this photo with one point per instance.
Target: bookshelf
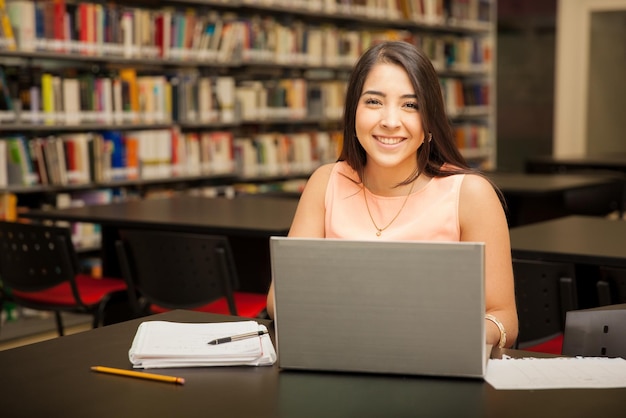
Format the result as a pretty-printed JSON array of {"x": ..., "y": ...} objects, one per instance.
[{"x": 103, "y": 101}]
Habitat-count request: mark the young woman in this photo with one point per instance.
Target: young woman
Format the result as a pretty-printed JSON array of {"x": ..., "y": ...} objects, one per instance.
[{"x": 400, "y": 176}]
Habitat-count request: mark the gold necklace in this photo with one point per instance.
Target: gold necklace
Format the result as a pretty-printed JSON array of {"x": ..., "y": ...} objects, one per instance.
[{"x": 380, "y": 230}]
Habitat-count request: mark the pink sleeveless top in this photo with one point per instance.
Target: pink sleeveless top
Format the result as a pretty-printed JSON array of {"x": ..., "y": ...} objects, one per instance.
[{"x": 430, "y": 214}]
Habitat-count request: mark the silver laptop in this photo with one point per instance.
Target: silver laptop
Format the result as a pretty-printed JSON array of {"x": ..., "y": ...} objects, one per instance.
[{"x": 401, "y": 307}]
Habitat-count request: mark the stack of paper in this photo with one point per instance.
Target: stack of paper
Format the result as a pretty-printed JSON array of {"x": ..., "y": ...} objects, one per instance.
[
  {"x": 556, "y": 373},
  {"x": 160, "y": 344}
]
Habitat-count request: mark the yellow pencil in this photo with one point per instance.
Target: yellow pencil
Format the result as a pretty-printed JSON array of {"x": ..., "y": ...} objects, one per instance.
[{"x": 140, "y": 375}]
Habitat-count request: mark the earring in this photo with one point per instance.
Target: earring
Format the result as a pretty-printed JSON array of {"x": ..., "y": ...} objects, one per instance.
[{"x": 430, "y": 136}]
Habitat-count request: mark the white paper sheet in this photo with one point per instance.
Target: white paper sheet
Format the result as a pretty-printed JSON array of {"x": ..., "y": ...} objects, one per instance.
[{"x": 556, "y": 373}]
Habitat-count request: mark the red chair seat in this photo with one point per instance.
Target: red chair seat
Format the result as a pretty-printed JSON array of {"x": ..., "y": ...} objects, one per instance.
[
  {"x": 249, "y": 305},
  {"x": 91, "y": 290},
  {"x": 553, "y": 346}
]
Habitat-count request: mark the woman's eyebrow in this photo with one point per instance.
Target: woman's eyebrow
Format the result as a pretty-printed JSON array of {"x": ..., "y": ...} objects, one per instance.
[
  {"x": 379, "y": 93},
  {"x": 374, "y": 92}
]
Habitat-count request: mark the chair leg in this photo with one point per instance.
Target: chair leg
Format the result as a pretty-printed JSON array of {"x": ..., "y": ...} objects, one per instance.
[
  {"x": 59, "y": 321},
  {"x": 95, "y": 323}
]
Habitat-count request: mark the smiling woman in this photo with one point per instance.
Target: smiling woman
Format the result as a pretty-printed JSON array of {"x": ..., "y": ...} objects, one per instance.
[
  {"x": 400, "y": 176},
  {"x": 388, "y": 126}
]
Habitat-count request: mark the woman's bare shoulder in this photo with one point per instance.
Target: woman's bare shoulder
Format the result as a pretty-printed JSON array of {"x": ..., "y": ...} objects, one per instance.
[
  {"x": 477, "y": 183},
  {"x": 318, "y": 180},
  {"x": 322, "y": 174}
]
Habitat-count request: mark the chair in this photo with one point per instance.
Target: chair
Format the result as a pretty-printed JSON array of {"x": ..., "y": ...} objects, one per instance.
[
  {"x": 596, "y": 332},
  {"x": 171, "y": 270},
  {"x": 39, "y": 270},
  {"x": 544, "y": 292},
  {"x": 612, "y": 286}
]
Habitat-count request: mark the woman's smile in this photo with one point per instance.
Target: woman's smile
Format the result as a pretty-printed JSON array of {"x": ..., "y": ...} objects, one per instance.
[{"x": 389, "y": 140}]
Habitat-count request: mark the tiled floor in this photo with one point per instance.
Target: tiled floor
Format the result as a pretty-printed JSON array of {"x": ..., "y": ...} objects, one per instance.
[
  {"x": 29, "y": 330},
  {"x": 18, "y": 342}
]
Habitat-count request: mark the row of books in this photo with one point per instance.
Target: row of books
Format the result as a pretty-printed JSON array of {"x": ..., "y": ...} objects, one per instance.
[
  {"x": 466, "y": 97},
  {"x": 124, "y": 97},
  {"x": 202, "y": 35},
  {"x": 294, "y": 98},
  {"x": 186, "y": 96},
  {"x": 109, "y": 156},
  {"x": 86, "y": 158},
  {"x": 471, "y": 136},
  {"x": 276, "y": 153},
  {"x": 422, "y": 11},
  {"x": 70, "y": 97}
]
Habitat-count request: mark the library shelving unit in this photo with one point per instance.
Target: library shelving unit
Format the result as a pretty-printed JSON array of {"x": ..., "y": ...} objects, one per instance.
[{"x": 105, "y": 100}]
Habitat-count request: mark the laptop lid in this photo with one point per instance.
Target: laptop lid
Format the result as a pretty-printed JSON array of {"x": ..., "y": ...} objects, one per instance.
[{"x": 401, "y": 307}]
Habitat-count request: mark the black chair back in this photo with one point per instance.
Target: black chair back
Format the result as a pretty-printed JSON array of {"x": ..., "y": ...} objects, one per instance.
[
  {"x": 611, "y": 287},
  {"x": 544, "y": 293},
  {"x": 36, "y": 257},
  {"x": 177, "y": 270}
]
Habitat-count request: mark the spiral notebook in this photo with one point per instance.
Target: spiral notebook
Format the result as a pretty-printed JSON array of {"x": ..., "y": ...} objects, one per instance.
[{"x": 414, "y": 308}]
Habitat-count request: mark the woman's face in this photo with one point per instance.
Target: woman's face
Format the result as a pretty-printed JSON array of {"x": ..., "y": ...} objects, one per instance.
[{"x": 388, "y": 122}]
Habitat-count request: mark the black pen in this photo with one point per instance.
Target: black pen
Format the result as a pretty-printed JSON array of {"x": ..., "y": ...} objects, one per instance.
[{"x": 237, "y": 337}]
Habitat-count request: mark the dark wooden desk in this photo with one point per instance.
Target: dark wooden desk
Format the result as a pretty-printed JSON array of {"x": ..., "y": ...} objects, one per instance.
[
  {"x": 588, "y": 242},
  {"x": 607, "y": 163},
  {"x": 539, "y": 197},
  {"x": 577, "y": 239},
  {"x": 53, "y": 378},
  {"x": 597, "y": 162},
  {"x": 247, "y": 221}
]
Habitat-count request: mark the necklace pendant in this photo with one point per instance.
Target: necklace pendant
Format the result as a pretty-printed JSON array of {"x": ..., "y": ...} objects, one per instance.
[{"x": 378, "y": 233}]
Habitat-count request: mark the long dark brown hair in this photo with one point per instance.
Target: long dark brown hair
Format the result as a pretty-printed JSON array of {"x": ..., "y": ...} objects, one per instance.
[{"x": 433, "y": 154}]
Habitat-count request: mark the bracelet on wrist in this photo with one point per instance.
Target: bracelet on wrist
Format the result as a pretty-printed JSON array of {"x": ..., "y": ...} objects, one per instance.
[{"x": 502, "y": 341}]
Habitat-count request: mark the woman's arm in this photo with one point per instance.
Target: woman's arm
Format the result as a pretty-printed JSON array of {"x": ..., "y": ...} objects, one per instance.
[
  {"x": 310, "y": 214},
  {"x": 482, "y": 219}
]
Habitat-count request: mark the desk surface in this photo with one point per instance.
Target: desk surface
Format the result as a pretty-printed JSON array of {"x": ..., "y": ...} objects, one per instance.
[
  {"x": 53, "y": 378},
  {"x": 537, "y": 184},
  {"x": 608, "y": 161},
  {"x": 578, "y": 239},
  {"x": 260, "y": 216}
]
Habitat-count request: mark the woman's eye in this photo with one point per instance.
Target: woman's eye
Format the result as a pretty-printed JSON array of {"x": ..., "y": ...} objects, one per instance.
[
  {"x": 412, "y": 105},
  {"x": 372, "y": 101}
]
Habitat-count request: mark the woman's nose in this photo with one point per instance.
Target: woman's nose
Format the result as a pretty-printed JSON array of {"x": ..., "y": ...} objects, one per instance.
[{"x": 390, "y": 119}]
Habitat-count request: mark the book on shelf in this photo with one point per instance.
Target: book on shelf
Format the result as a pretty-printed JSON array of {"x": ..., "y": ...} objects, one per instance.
[
  {"x": 118, "y": 154},
  {"x": 7, "y": 38},
  {"x": 8, "y": 206},
  {"x": 130, "y": 92},
  {"x": 4, "y": 163},
  {"x": 186, "y": 154},
  {"x": 17, "y": 162},
  {"x": 216, "y": 151},
  {"x": 163, "y": 344},
  {"x": 37, "y": 154},
  {"x": 7, "y": 111},
  {"x": 22, "y": 16},
  {"x": 225, "y": 94}
]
